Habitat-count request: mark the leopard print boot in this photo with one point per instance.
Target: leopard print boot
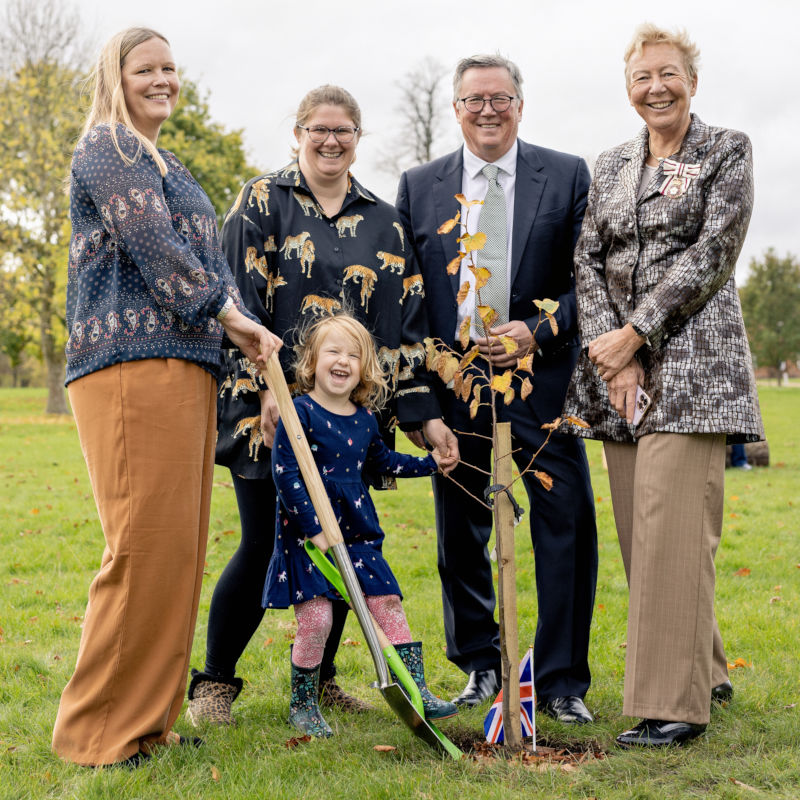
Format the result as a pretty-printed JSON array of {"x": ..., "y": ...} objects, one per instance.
[
  {"x": 210, "y": 699},
  {"x": 331, "y": 695}
]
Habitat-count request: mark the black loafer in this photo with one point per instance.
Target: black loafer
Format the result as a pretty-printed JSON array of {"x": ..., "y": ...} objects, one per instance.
[
  {"x": 659, "y": 733},
  {"x": 569, "y": 709},
  {"x": 723, "y": 693},
  {"x": 482, "y": 685}
]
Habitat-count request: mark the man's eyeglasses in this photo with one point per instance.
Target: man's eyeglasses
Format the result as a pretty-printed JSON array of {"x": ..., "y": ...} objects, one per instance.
[
  {"x": 475, "y": 104},
  {"x": 319, "y": 133}
]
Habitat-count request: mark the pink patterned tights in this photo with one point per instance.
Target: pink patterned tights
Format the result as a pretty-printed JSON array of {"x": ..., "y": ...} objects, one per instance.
[{"x": 314, "y": 619}]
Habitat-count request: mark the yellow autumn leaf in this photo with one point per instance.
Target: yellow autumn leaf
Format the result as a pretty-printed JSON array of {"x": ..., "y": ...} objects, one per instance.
[
  {"x": 476, "y": 390},
  {"x": 547, "y": 305},
  {"x": 458, "y": 379},
  {"x": 577, "y": 422},
  {"x": 469, "y": 357},
  {"x": 455, "y": 265},
  {"x": 214, "y": 773},
  {"x": 500, "y": 383},
  {"x": 464, "y": 202},
  {"x": 482, "y": 276},
  {"x": 544, "y": 479},
  {"x": 551, "y": 426},
  {"x": 526, "y": 363},
  {"x": 466, "y": 387},
  {"x": 448, "y": 226},
  {"x": 488, "y": 315},
  {"x": 474, "y": 242},
  {"x": 527, "y": 388},
  {"x": 473, "y": 409},
  {"x": 463, "y": 291},
  {"x": 447, "y": 368},
  {"x": 463, "y": 332},
  {"x": 508, "y": 397},
  {"x": 509, "y": 344},
  {"x": 553, "y": 324}
]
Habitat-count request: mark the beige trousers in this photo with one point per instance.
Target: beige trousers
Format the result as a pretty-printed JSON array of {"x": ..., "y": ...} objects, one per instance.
[
  {"x": 667, "y": 491},
  {"x": 147, "y": 430}
]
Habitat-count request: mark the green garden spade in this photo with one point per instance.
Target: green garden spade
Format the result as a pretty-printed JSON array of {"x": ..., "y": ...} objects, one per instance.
[{"x": 405, "y": 700}]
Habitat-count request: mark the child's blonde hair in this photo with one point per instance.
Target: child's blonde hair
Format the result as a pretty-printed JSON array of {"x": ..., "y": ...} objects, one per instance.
[{"x": 373, "y": 388}]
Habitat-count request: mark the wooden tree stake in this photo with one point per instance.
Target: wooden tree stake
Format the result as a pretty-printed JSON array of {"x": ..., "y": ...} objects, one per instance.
[{"x": 507, "y": 590}]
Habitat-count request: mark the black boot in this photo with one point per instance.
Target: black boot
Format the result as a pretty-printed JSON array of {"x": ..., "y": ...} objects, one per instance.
[
  {"x": 434, "y": 707},
  {"x": 304, "y": 711}
]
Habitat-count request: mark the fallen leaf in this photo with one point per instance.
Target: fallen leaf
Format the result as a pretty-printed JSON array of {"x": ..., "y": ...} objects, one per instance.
[
  {"x": 743, "y": 785},
  {"x": 740, "y": 662},
  {"x": 214, "y": 774},
  {"x": 743, "y": 572},
  {"x": 267, "y": 642},
  {"x": 775, "y": 599},
  {"x": 351, "y": 642},
  {"x": 384, "y": 748},
  {"x": 296, "y": 740}
]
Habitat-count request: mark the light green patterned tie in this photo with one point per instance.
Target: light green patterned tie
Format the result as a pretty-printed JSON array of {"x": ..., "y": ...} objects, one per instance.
[{"x": 494, "y": 255}]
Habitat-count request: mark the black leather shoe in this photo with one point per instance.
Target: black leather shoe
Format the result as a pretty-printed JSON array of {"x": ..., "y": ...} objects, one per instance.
[
  {"x": 723, "y": 693},
  {"x": 569, "y": 709},
  {"x": 659, "y": 733},
  {"x": 482, "y": 685}
]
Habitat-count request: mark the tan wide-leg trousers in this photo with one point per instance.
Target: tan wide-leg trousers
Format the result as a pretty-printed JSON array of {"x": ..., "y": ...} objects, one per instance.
[
  {"x": 147, "y": 430},
  {"x": 667, "y": 491}
]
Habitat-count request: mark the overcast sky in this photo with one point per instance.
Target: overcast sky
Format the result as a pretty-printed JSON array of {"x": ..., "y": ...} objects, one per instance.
[{"x": 257, "y": 58}]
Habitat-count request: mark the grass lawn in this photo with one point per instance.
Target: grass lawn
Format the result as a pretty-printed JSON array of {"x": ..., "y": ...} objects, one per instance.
[{"x": 51, "y": 544}]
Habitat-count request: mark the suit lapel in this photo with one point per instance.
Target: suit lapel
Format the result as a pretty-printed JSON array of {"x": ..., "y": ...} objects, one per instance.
[
  {"x": 631, "y": 173},
  {"x": 446, "y": 185},
  {"x": 528, "y": 192}
]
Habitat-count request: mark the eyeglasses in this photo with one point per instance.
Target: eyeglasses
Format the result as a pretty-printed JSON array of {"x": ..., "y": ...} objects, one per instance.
[
  {"x": 319, "y": 133},
  {"x": 475, "y": 104}
]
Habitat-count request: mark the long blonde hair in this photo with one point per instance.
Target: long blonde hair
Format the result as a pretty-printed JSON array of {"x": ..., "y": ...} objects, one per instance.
[
  {"x": 373, "y": 388},
  {"x": 108, "y": 103}
]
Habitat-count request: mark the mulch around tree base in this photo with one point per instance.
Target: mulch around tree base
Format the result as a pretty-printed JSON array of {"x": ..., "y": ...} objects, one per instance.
[{"x": 566, "y": 755}]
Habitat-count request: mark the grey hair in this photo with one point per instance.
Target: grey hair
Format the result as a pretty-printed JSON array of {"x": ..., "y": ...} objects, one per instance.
[{"x": 487, "y": 60}]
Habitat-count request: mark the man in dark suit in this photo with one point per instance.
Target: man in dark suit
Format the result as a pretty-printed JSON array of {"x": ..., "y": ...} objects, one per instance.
[{"x": 537, "y": 199}]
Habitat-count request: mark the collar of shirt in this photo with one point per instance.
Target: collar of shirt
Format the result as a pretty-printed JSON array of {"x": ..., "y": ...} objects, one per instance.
[{"x": 473, "y": 186}]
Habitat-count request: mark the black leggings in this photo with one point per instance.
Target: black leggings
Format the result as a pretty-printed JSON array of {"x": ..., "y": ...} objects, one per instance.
[{"x": 236, "y": 610}]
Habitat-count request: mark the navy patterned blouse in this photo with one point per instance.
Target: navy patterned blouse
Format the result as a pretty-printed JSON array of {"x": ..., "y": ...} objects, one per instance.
[
  {"x": 343, "y": 446},
  {"x": 146, "y": 273}
]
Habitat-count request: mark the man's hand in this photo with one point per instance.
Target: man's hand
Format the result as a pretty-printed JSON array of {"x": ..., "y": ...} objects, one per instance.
[
  {"x": 622, "y": 389},
  {"x": 492, "y": 348},
  {"x": 444, "y": 441},
  {"x": 269, "y": 416},
  {"x": 612, "y": 351},
  {"x": 254, "y": 340},
  {"x": 416, "y": 438}
]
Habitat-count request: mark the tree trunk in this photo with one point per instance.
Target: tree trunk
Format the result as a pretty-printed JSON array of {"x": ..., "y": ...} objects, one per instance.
[
  {"x": 53, "y": 360},
  {"x": 507, "y": 591}
]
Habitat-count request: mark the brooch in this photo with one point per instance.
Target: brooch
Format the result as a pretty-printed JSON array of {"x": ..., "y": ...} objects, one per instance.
[{"x": 678, "y": 177}]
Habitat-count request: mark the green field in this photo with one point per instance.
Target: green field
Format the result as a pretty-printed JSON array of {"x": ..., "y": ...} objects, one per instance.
[{"x": 51, "y": 546}]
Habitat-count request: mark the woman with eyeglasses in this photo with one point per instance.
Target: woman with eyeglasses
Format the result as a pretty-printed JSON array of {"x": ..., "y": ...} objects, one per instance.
[{"x": 303, "y": 241}]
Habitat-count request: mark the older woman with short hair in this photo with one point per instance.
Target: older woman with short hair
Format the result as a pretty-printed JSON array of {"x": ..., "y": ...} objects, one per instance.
[{"x": 667, "y": 377}]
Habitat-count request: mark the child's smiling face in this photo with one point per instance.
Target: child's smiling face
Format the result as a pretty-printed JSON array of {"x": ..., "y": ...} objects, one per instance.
[{"x": 338, "y": 368}]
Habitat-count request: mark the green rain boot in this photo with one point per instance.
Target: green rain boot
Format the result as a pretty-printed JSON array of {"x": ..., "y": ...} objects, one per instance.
[
  {"x": 304, "y": 711},
  {"x": 434, "y": 707}
]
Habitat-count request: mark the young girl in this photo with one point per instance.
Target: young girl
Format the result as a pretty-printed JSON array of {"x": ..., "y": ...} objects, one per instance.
[{"x": 342, "y": 382}]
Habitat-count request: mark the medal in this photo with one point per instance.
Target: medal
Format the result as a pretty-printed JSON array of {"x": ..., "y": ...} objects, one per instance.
[{"x": 678, "y": 178}]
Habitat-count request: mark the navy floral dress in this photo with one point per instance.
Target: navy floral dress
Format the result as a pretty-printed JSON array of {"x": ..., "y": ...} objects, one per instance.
[{"x": 342, "y": 446}]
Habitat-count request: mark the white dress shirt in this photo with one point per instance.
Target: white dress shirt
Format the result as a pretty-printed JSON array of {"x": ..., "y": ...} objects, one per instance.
[{"x": 474, "y": 186}]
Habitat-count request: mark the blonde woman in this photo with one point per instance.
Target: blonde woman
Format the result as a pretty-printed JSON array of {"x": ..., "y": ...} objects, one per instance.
[
  {"x": 667, "y": 376},
  {"x": 149, "y": 294}
]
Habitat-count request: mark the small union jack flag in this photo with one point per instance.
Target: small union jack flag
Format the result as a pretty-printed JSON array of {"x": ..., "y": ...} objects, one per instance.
[{"x": 493, "y": 724}]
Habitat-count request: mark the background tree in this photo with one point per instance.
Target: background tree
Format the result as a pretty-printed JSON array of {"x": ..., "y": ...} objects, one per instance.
[
  {"x": 419, "y": 114},
  {"x": 214, "y": 156},
  {"x": 40, "y": 117},
  {"x": 771, "y": 307}
]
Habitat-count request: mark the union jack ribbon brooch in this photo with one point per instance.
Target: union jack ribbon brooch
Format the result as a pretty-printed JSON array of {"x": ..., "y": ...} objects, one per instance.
[{"x": 678, "y": 177}]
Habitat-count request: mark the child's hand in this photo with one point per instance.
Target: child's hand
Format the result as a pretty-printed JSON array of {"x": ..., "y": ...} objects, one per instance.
[
  {"x": 445, "y": 461},
  {"x": 320, "y": 542}
]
